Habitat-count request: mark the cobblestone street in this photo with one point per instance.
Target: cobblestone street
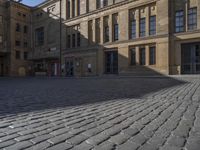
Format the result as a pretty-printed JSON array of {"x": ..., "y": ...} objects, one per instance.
[{"x": 110, "y": 113}]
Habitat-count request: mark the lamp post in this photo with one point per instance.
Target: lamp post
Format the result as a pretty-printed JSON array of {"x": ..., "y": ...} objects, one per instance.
[{"x": 60, "y": 58}]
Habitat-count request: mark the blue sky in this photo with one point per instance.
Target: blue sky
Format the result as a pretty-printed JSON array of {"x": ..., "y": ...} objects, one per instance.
[{"x": 32, "y": 2}]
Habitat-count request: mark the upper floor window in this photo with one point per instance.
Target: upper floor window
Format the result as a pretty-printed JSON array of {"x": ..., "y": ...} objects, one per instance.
[
  {"x": 152, "y": 55},
  {"x": 25, "y": 29},
  {"x": 73, "y": 40},
  {"x": 132, "y": 29},
  {"x": 116, "y": 32},
  {"x": 105, "y": 3},
  {"x": 18, "y": 28},
  {"x": 179, "y": 21},
  {"x": 69, "y": 41},
  {"x": 142, "y": 27},
  {"x": 68, "y": 9},
  {"x": 78, "y": 39},
  {"x": 73, "y": 8},
  {"x": 1, "y": 19},
  {"x": 1, "y": 39},
  {"x": 98, "y": 31},
  {"x": 152, "y": 23},
  {"x": 78, "y": 7},
  {"x": 192, "y": 19},
  {"x": 39, "y": 36},
  {"x": 101, "y": 3},
  {"x": 25, "y": 55},
  {"x": 133, "y": 56},
  {"x": 17, "y": 55},
  {"x": 90, "y": 32},
  {"x": 25, "y": 44},
  {"x": 17, "y": 43}
]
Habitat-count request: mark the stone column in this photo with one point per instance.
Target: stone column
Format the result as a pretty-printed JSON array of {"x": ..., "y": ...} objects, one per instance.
[
  {"x": 110, "y": 24},
  {"x": 147, "y": 54},
  {"x": 137, "y": 51},
  {"x": 147, "y": 15},
  {"x": 137, "y": 18},
  {"x": 101, "y": 30}
]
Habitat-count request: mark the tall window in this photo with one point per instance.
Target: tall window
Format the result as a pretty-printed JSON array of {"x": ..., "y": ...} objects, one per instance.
[
  {"x": 192, "y": 19},
  {"x": 73, "y": 40},
  {"x": 132, "y": 29},
  {"x": 133, "y": 56},
  {"x": 25, "y": 29},
  {"x": 39, "y": 36},
  {"x": 69, "y": 41},
  {"x": 1, "y": 39},
  {"x": 98, "y": 31},
  {"x": 101, "y": 3},
  {"x": 18, "y": 28},
  {"x": 152, "y": 23},
  {"x": 17, "y": 43},
  {"x": 68, "y": 9},
  {"x": 142, "y": 27},
  {"x": 98, "y": 3},
  {"x": 116, "y": 32},
  {"x": 106, "y": 33},
  {"x": 152, "y": 55},
  {"x": 17, "y": 54},
  {"x": 78, "y": 7},
  {"x": 78, "y": 39},
  {"x": 73, "y": 8},
  {"x": 1, "y": 19},
  {"x": 90, "y": 32},
  {"x": 25, "y": 55},
  {"x": 179, "y": 21},
  {"x": 105, "y": 3},
  {"x": 142, "y": 56}
]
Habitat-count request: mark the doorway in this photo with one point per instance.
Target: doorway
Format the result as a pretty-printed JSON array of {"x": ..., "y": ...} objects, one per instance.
[
  {"x": 190, "y": 54},
  {"x": 111, "y": 62},
  {"x": 69, "y": 64}
]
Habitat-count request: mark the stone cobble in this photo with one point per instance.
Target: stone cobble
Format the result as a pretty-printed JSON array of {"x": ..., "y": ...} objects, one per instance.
[{"x": 100, "y": 113}]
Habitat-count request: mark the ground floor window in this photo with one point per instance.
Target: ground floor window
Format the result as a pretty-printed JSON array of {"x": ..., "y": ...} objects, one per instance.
[
  {"x": 133, "y": 56},
  {"x": 152, "y": 55},
  {"x": 142, "y": 56}
]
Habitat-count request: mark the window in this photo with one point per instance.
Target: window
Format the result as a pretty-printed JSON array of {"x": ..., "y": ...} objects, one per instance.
[
  {"x": 73, "y": 8},
  {"x": 142, "y": 27},
  {"x": 142, "y": 56},
  {"x": 18, "y": 27},
  {"x": 17, "y": 43},
  {"x": 192, "y": 19},
  {"x": 25, "y": 29},
  {"x": 1, "y": 19},
  {"x": 152, "y": 55},
  {"x": 25, "y": 55},
  {"x": 116, "y": 32},
  {"x": 25, "y": 44},
  {"x": 98, "y": 31},
  {"x": 1, "y": 39},
  {"x": 78, "y": 7},
  {"x": 132, "y": 29},
  {"x": 19, "y": 14},
  {"x": 24, "y": 15},
  {"x": 106, "y": 33},
  {"x": 179, "y": 21},
  {"x": 68, "y": 9},
  {"x": 87, "y": 6},
  {"x": 73, "y": 40},
  {"x": 78, "y": 39},
  {"x": 152, "y": 28},
  {"x": 101, "y": 3},
  {"x": 90, "y": 32},
  {"x": 133, "y": 56},
  {"x": 105, "y": 3},
  {"x": 69, "y": 41},
  {"x": 17, "y": 54},
  {"x": 39, "y": 34}
]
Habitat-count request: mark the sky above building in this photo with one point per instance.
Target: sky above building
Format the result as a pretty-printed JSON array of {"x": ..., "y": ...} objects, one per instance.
[{"x": 32, "y": 2}]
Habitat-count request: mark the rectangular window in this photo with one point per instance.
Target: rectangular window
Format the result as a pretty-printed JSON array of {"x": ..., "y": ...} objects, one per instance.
[
  {"x": 25, "y": 44},
  {"x": 142, "y": 56},
  {"x": 39, "y": 36},
  {"x": 1, "y": 19},
  {"x": 105, "y": 2},
  {"x": 78, "y": 39},
  {"x": 1, "y": 39},
  {"x": 69, "y": 41},
  {"x": 17, "y": 54},
  {"x": 90, "y": 32},
  {"x": 132, "y": 29},
  {"x": 152, "y": 55},
  {"x": 73, "y": 40},
  {"x": 73, "y": 8},
  {"x": 25, "y": 29},
  {"x": 68, "y": 9},
  {"x": 17, "y": 43},
  {"x": 98, "y": 3},
  {"x": 98, "y": 31},
  {"x": 116, "y": 32},
  {"x": 179, "y": 21},
  {"x": 152, "y": 23},
  {"x": 142, "y": 27},
  {"x": 78, "y": 7},
  {"x": 133, "y": 56},
  {"x": 18, "y": 28},
  {"x": 25, "y": 55},
  {"x": 192, "y": 19},
  {"x": 106, "y": 33}
]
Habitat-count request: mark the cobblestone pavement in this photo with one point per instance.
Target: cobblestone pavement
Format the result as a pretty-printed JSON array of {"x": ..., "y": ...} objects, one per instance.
[{"x": 100, "y": 114}]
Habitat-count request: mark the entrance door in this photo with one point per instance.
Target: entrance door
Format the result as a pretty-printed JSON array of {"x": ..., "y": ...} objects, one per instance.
[
  {"x": 69, "y": 68},
  {"x": 191, "y": 58},
  {"x": 111, "y": 62}
]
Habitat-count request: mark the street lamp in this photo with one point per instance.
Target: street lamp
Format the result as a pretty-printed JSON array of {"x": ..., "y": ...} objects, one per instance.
[{"x": 60, "y": 67}]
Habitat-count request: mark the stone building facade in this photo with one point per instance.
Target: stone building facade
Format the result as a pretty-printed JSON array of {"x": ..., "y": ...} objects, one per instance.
[
  {"x": 142, "y": 37},
  {"x": 126, "y": 37}
]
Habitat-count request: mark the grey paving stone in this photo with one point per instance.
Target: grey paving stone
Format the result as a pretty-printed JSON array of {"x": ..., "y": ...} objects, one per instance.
[
  {"x": 128, "y": 146},
  {"x": 119, "y": 138},
  {"x": 7, "y": 143},
  {"x": 105, "y": 146},
  {"x": 41, "y": 146},
  {"x": 83, "y": 146},
  {"x": 41, "y": 138},
  {"x": 60, "y": 138},
  {"x": 131, "y": 131},
  {"x": 95, "y": 140},
  {"x": 61, "y": 146},
  {"x": 176, "y": 141},
  {"x": 77, "y": 139},
  {"x": 19, "y": 146}
]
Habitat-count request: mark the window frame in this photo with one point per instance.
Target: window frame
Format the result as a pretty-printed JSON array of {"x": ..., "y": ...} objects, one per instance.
[{"x": 179, "y": 21}]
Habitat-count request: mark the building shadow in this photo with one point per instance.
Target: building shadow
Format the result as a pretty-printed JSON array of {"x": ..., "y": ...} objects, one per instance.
[{"x": 23, "y": 95}]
